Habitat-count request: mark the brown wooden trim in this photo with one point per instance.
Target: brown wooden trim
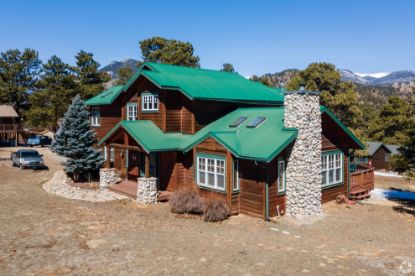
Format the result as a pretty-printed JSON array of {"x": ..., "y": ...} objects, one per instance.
[
  {"x": 147, "y": 166},
  {"x": 122, "y": 146}
]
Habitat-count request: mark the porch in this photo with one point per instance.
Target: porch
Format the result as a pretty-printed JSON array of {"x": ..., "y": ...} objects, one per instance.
[
  {"x": 129, "y": 188},
  {"x": 362, "y": 181}
]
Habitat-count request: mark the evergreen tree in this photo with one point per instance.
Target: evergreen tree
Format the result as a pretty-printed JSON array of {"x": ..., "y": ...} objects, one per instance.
[
  {"x": 56, "y": 91},
  {"x": 227, "y": 67},
  {"x": 337, "y": 95},
  {"x": 90, "y": 80},
  {"x": 169, "y": 51},
  {"x": 124, "y": 74},
  {"x": 18, "y": 74},
  {"x": 263, "y": 79},
  {"x": 393, "y": 122},
  {"x": 75, "y": 141}
]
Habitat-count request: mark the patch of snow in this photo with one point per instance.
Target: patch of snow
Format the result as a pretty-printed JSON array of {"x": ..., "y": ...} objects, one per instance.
[
  {"x": 388, "y": 174},
  {"x": 374, "y": 75}
]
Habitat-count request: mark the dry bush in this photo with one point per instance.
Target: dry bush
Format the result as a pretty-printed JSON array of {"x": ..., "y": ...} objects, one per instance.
[
  {"x": 186, "y": 202},
  {"x": 215, "y": 209}
]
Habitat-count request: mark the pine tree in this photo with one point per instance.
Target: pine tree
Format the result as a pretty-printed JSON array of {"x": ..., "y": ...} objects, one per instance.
[
  {"x": 56, "y": 91},
  {"x": 75, "y": 140},
  {"x": 91, "y": 80}
]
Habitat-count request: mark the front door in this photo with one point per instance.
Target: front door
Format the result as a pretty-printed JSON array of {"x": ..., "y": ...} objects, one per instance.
[{"x": 133, "y": 164}]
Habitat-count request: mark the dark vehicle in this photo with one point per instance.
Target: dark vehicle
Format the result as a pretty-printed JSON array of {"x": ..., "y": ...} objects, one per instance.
[
  {"x": 27, "y": 158},
  {"x": 39, "y": 140}
]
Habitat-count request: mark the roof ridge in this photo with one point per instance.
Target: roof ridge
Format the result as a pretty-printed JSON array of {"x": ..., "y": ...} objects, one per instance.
[{"x": 192, "y": 68}]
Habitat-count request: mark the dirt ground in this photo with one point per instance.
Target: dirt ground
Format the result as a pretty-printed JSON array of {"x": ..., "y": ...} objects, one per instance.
[{"x": 42, "y": 234}]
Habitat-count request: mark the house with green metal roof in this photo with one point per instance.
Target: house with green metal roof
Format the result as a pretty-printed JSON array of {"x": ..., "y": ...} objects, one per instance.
[{"x": 172, "y": 128}]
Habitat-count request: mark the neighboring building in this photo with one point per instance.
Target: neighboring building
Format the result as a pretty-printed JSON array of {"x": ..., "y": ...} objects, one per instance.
[
  {"x": 378, "y": 155},
  {"x": 9, "y": 126},
  {"x": 264, "y": 151}
]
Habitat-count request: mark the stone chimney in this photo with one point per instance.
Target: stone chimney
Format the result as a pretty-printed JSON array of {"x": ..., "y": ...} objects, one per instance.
[{"x": 303, "y": 170}]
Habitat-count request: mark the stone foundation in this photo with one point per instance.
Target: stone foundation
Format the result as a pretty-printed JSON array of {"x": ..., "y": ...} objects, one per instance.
[
  {"x": 147, "y": 190},
  {"x": 108, "y": 177},
  {"x": 303, "y": 170}
]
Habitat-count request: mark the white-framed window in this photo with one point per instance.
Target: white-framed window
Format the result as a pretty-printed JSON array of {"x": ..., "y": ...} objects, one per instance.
[
  {"x": 281, "y": 176},
  {"x": 131, "y": 111},
  {"x": 387, "y": 157},
  {"x": 211, "y": 172},
  {"x": 331, "y": 168},
  {"x": 95, "y": 116},
  {"x": 149, "y": 102}
]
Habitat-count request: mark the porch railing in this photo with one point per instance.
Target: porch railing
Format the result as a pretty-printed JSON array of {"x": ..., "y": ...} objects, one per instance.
[
  {"x": 362, "y": 180},
  {"x": 10, "y": 128}
]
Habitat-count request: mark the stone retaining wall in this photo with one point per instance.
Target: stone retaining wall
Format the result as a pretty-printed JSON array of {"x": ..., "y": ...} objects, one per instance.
[
  {"x": 147, "y": 190},
  {"x": 303, "y": 170}
]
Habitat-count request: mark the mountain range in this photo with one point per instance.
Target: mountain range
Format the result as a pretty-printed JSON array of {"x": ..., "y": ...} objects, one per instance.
[
  {"x": 404, "y": 76},
  {"x": 377, "y": 79}
]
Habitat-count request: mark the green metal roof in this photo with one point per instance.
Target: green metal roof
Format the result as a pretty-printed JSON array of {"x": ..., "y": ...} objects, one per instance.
[
  {"x": 243, "y": 142},
  {"x": 262, "y": 143},
  {"x": 205, "y": 84},
  {"x": 106, "y": 97}
]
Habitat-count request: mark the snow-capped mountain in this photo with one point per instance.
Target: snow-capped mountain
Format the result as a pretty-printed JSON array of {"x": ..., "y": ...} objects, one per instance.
[{"x": 404, "y": 76}]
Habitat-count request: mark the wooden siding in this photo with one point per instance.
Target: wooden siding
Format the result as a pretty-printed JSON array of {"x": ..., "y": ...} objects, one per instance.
[
  {"x": 252, "y": 179},
  {"x": 329, "y": 194},
  {"x": 110, "y": 116},
  {"x": 274, "y": 199},
  {"x": 378, "y": 159}
]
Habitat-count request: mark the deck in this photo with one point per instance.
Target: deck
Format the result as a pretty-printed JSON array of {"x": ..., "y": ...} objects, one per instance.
[
  {"x": 362, "y": 181},
  {"x": 129, "y": 188},
  {"x": 10, "y": 128}
]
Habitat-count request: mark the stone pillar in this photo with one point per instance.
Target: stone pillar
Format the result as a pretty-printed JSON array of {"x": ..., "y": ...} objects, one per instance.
[
  {"x": 303, "y": 170},
  {"x": 147, "y": 190},
  {"x": 107, "y": 177}
]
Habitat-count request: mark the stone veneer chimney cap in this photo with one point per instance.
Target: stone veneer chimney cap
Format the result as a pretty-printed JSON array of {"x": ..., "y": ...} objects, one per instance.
[{"x": 302, "y": 92}]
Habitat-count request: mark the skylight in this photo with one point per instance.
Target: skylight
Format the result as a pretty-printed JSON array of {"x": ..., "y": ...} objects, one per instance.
[
  {"x": 255, "y": 122},
  {"x": 238, "y": 121}
]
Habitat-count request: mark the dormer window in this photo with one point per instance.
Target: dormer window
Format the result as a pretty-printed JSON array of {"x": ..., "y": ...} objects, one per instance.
[{"x": 149, "y": 102}]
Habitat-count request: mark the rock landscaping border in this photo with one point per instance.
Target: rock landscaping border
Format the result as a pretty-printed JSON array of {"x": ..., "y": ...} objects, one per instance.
[{"x": 59, "y": 185}]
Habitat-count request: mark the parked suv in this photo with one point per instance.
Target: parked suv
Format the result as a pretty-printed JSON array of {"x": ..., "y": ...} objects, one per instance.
[
  {"x": 39, "y": 140},
  {"x": 27, "y": 158}
]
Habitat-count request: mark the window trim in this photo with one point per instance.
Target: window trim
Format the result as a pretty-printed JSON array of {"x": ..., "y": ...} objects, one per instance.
[
  {"x": 335, "y": 183},
  {"x": 128, "y": 105},
  {"x": 206, "y": 186},
  {"x": 151, "y": 95},
  {"x": 95, "y": 120},
  {"x": 280, "y": 159},
  {"x": 238, "y": 185}
]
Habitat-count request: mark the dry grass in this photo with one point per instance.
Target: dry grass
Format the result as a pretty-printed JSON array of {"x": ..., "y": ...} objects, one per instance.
[
  {"x": 186, "y": 202},
  {"x": 215, "y": 209}
]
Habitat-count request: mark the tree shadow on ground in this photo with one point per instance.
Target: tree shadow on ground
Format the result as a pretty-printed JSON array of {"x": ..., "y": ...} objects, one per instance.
[{"x": 405, "y": 206}]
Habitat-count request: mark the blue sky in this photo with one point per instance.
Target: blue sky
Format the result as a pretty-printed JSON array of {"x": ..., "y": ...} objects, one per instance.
[{"x": 255, "y": 36}]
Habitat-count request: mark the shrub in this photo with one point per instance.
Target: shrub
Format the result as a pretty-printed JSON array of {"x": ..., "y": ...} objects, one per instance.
[
  {"x": 215, "y": 210},
  {"x": 186, "y": 202}
]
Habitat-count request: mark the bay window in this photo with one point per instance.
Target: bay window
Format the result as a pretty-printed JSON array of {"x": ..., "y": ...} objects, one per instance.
[
  {"x": 211, "y": 172},
  {"x": 331, "y": 168}
]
